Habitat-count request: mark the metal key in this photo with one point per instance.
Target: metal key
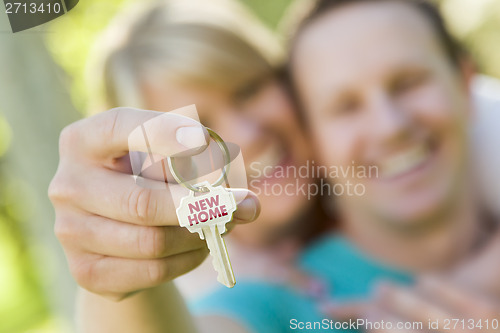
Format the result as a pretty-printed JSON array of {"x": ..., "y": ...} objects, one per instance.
[{"x": 207, "y": 214}]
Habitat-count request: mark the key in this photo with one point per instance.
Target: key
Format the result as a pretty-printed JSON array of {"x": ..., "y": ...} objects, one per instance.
[{"x": 207, "y": 214}]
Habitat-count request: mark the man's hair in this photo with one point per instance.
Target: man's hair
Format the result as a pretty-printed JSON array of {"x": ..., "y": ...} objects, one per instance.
[{"x": 429, "y": 10}]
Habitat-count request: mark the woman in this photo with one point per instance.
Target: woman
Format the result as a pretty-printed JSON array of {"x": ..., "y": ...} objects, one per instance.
[
  {"x": 237, "y": 90},
  {"x": 166, "y": 54}
]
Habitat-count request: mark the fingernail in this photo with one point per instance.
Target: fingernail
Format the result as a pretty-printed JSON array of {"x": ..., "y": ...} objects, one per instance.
[
  {"x": 239, "y": 194},
  {"x": 247, "y": 202},
  {"x": 191, "y": 137}
]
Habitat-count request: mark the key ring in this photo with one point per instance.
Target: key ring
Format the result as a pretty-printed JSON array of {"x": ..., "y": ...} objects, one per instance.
[{"x": 225, "y": 169}]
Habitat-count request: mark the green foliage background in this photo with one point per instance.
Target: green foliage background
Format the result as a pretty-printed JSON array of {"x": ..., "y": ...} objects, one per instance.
[
  {"x": 475, "y": 22},
  {"x": 23, "y": 305}
]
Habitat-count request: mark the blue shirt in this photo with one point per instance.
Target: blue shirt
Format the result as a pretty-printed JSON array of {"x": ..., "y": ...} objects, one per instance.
[{"x": 263, "y": 307}]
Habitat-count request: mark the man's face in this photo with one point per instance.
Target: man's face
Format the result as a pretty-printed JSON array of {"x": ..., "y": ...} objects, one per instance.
[{"x": 378, "y": 90}]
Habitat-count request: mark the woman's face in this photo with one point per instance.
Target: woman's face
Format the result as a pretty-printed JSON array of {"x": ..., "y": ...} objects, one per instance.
[{"x": 262, "y": 122}]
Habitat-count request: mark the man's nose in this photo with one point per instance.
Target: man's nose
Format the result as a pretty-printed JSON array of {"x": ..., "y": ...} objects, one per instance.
[{"x": 390, "y": 122}]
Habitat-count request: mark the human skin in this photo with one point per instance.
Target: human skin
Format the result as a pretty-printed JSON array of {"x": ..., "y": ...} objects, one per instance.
[
  {"x": 263, "y": 124},
  {"x": 403, "y": 107},
  {"x": 113, "y": 259},
  {"x": 390, "y": 97},
  {"x": 96, "y": 304},
  {"x": 118, "y": 236}
]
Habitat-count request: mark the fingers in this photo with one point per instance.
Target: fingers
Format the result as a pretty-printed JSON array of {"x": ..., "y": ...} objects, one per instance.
[
  {"x": 111, "y": 276},
  {"x": 381, "y": 321},
  {"x": 120, "y": 232},
  {"x": 115, "y": 132},
  {"x": 437, "y": 300},
  {"x": 408, "y": 303},
  {"x": 406, "y": 309},
  {"x": 99, "y": 235},
  {"x": 118, "y": 197},
  {"x": 446, "y": 293},
  {"x": 159, "y": 170},
  {"x": 460, "y": 300},
  {"x": 369, "y": 316},
  {"x": 248, "y": 205}
]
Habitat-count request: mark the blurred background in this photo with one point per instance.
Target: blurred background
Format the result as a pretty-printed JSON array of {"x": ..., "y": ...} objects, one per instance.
[{"x": 42, "y": 89}]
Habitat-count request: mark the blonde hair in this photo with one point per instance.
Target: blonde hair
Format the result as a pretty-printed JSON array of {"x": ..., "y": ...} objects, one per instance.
[{"x": 213, "y": 43}]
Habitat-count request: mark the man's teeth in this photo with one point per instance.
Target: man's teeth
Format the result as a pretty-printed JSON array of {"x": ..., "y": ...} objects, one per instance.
[{"x": 404, "y": 162}]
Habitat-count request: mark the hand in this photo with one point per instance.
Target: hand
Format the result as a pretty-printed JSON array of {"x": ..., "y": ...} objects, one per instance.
[
  {"x": 120, "y": 237},
  {"x": 431, "y": 299}
]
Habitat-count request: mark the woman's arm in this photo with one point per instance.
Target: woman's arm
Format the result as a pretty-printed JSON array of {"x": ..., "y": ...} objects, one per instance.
[{"x": 156, "y": 310}]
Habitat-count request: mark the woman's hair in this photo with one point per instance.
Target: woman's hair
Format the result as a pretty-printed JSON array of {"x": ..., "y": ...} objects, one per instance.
[{"x": 209, "y": 43}]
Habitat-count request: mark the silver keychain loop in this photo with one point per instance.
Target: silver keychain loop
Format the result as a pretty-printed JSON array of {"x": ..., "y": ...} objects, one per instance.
[{"x": 225, "y": 169}]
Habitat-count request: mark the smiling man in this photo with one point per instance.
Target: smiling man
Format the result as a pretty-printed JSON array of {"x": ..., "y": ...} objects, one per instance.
[
  {"x": 379, "y": 89},
  {"x": 383, "y": 83}
]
